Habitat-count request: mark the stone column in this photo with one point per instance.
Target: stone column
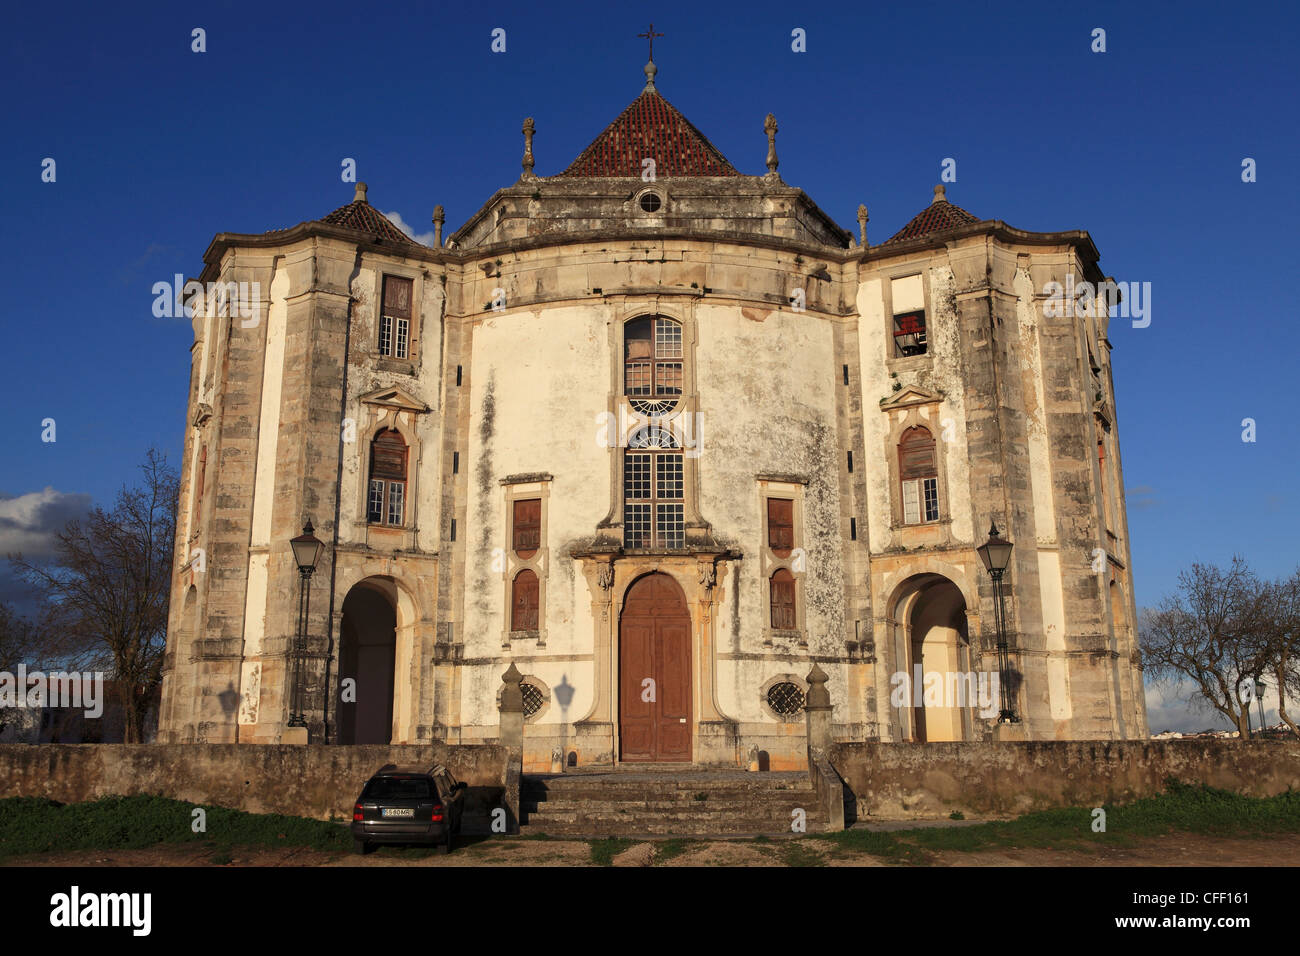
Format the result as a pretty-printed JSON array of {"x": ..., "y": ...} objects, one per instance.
[
  {"x": 512, "y": 739},
  {"x": 817, "y": 711}
]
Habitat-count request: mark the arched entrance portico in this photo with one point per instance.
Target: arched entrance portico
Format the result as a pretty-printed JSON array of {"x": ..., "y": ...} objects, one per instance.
[
  {"x": 654, "y": 648},
  {"x": 940, "y": 689},
  {"x": 368, "y": 656}
]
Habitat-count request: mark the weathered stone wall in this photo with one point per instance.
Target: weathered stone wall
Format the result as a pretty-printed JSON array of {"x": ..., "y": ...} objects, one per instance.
[
  {"x": 901, "y": 780},
  {"x": 311, "y": 781}
]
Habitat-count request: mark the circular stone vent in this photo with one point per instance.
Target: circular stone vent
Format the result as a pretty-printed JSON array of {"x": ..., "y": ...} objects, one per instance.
[
  {"x": 785, "y": 698},
  {"x": 650, "y": 202}
]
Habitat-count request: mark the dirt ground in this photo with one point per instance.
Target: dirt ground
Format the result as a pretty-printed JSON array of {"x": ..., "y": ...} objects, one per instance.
[{"x": 1180, "y": 849}]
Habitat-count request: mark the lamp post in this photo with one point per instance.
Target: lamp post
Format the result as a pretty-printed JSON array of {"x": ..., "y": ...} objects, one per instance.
[
  {"x": 1259, "y": 699},
  {"x": 996, "y": 555},
  {"x": 306, "y": 552}
]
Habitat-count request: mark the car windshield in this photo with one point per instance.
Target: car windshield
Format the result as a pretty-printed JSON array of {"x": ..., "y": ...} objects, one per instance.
[{"x": 398, "y": 788}]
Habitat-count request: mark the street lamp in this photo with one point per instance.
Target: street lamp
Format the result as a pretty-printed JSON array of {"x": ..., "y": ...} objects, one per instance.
[
  {"x": 996, "y": 555},
  {"x": 1259, "y": 699},
  {"x": 306, "y": 552}
]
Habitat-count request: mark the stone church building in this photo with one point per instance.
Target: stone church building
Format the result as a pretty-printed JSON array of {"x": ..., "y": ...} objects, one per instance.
[{"x": 663, "y": 435}]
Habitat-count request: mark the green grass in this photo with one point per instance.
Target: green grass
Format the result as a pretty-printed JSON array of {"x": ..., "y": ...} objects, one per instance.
[
  {"x": 667, "y": 849},
  {"x": 38, "y": 825},
  {"x": 604, "y": 851},
  {"x": 796, "y": 853},
  {"x": 1182, "y": 807}
]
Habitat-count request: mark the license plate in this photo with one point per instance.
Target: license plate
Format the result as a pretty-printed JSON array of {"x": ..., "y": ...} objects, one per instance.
[{"x": 397, "y": 812}]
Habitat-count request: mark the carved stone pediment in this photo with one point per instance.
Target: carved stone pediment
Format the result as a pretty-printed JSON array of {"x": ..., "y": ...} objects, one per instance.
[
  {"x": 202, "y": 413},
  {"x": 394, "y": 397},
  {"x": 910, "y": 395}
]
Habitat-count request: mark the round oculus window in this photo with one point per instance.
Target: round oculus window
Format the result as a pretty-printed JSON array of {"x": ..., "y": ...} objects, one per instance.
[{"x": 650, "y": 202}]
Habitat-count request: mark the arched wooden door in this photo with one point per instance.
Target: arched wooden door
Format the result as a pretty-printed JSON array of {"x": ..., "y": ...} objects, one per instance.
[{"x": 654, "y": 641}]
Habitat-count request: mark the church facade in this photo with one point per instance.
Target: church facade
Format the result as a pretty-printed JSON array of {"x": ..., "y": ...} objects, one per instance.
[{"x": 663, "y": 435}]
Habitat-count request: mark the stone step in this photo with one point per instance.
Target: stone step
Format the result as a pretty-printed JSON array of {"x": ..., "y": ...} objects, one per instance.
[
  {"x": 737, "y": 826},
  {"x": 543, "y": 817},
  {"x": 788, "y": 800}
]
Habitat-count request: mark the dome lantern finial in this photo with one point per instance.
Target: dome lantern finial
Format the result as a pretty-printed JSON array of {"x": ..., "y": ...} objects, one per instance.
[
  {"x": 938, "y": 195},
  {"x": 650, "y": 68}
]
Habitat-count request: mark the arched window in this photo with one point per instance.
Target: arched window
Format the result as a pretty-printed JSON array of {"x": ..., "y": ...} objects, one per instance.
[
  {"x": 198, "y": 488},
  {"x": 919, "y": 472},
  {"x": 653, "y": 490},
  {"x": 523, "y": 602},
  {"x": 782, "y": 592},
  {"x": 386, "y": 502},
  {"x": 652, "y": 364}
]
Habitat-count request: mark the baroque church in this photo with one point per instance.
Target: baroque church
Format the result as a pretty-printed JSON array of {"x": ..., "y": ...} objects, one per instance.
[{"x": 664, "y": 436}]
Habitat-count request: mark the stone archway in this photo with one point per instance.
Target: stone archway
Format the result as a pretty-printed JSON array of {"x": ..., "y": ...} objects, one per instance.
[
  {"x": 933, "y": 645},
  {"x": 654, "y": 650},
  {"x": 368, "y": 656}
]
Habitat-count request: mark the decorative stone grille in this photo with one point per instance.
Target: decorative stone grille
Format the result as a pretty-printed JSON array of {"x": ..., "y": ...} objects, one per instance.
[{"x": 785, "y": 699}]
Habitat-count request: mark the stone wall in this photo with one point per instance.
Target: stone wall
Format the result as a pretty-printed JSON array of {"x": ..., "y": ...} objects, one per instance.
[
  {"x": 311, "y": 781},
  {"x": 901, "y": 780}
]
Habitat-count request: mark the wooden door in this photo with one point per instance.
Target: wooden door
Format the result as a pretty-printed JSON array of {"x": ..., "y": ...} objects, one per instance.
[{"x": 655, "y": 672}]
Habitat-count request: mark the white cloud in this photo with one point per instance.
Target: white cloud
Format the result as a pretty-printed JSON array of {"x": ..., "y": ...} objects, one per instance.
[
  {"x": 28, "y": 522},
  {"x": 424, "y": 238}
]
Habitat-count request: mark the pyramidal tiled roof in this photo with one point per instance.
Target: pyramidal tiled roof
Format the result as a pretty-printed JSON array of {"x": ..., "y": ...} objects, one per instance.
[
  {"x": 939, "y": 216},
  {"x": 650, "y": 127},
  {"x": 363, "y": 217}
]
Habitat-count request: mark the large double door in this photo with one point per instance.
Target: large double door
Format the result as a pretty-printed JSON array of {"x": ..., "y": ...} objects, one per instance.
[{"x": 655, "y": 672}]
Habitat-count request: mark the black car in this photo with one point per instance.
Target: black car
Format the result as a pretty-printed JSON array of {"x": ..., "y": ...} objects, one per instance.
[{"x": 403, "y": 805}]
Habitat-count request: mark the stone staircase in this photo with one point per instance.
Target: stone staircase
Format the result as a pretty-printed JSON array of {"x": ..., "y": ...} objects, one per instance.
[{"x": 666, "y": 801}]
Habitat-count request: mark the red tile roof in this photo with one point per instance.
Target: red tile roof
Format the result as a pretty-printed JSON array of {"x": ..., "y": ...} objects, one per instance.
[
  {"x": 650, "y": 127},
  {"x": 363, "y": 217},
  {"x": 939, "y": 216}
]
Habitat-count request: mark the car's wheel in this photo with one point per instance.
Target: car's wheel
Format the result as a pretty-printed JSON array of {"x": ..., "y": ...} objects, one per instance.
[{"x": 360, "y": 846}]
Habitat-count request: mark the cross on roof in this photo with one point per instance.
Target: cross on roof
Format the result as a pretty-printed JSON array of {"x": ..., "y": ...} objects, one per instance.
[{"x": 650, "y": 35}]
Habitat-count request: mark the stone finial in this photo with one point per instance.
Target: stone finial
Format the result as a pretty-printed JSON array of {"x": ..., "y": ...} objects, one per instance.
[
  {"x": 818, "y": 697},
  {"x": 650, "y": 71},
  {"x": 529, "y": 129},
  {"x": 862, "y": 224},
  {"x": 360, "y": 195},
  {"x": 512, "y": 698},
  {"x": 439, "y": 217},
  {"x": 938, "y": 195},
  {"x": 769, "y": 127}
]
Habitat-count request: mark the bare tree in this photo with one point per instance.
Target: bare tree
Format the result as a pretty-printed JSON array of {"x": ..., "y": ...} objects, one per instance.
[
  {"x": 1283, "y": 649},
  {"x": 108, "y": 587},
  {"x": 1215, "y": 632},
  {"x": 18, "y": 640}
]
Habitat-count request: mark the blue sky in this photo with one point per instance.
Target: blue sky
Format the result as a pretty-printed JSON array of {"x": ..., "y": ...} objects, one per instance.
[{"x": 159, "y": 148}]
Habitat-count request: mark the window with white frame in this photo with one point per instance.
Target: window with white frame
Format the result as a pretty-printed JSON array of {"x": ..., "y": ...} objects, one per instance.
[
  {"x": 919, "y": 473},
  {"x": 386, "y": 500},
  {"x": 395, "y": 318},
  {"x": 652, "y": 364},
  {"x": 653, "y": 490}
]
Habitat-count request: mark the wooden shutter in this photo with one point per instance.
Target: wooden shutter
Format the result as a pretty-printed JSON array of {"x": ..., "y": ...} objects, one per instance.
[
  {"x": 527, "y": 527},
  {"x": 916, "y": 454},
  {"x": 523, "y": 601},
  {"x": 388, "y": 456},
  {"x": 397, "y": 297},
  {"x": 783, "y": 601},
  {"x": 780, "y": 526}
]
